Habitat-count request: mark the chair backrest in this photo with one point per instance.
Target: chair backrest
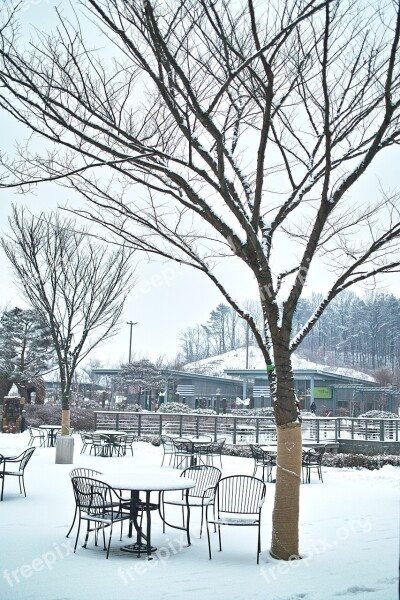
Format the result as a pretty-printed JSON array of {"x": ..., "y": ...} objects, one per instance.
[
  {"x": 257, "y": 452},
  {"x": 205, "y": 477},
  {"x": 86, "y": 437},
  {"x": 98, "y": 438},
  {"x": 240, "y": 494},
  {"x": 313, "y": 456},
  {"x": 182, "y": 445},
  {"x": 167, "y": 442},
  {"x": 92, "y": 495},
  {"x": 24, "y": 458},
  {"x": 83, "y": 472},
  {"x": 129, "y": 438},
  {"x": 216, "y": 447}
]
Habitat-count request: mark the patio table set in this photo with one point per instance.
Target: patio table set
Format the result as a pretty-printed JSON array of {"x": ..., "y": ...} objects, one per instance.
[
  {"x": 266, "y": 458},
  {"x": 108, "y": 442},
  {"x": 103, "y": 499},
  {"x": 190, "y": 481},
  {"x": 191, "y": 450}
]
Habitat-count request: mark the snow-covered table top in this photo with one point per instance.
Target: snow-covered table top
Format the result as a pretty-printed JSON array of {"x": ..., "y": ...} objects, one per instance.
[
  {"x": 148, "y": 480},
  {"x": 193, "y": 440}
]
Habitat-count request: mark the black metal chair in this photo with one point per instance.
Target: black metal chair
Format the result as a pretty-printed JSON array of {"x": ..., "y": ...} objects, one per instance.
[
  {"x": 96, "y": 503},
  {"x": 312, "y": 459},
  {"x": 184, "y": 450},
  {"x": 207, "y": 453},
  {"x": 264, "y": 459},
  {"x": 87, "y": 440},
  {"x": 20, "y": 461},
  {"x": 101, "y": 445},
  {"x": 168, "y": 448},
  {"x": 238, "y": 502},
  {"x": 201, "y": 495},
  {"x": 123, "y": 443},
  {"x": 37, "y": 434},
  {"x": 80, "y": 472}
]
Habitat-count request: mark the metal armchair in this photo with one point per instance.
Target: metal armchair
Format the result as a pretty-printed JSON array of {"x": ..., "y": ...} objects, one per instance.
[
  {"x": 238, "y": 502},
  {"x": 263, "y": 459},
  {"x": 200, "y": 496},
  {"x": 99, "y": 505},
  {"x": 312, "y": 459},
  {"x": 37, "y": 434},
  {"x": 20, "y": 463}
]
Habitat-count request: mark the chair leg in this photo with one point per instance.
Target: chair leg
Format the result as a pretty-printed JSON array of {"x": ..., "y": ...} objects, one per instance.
[
  {"x": 87, "y": 534},
  {"x": 208, "y": 535},
  {"x": 77, "y": 534},
  {"x": 219, "y": 537},
  {"x": 109, "y": 540},
  {"x": 73, "y": 522}
]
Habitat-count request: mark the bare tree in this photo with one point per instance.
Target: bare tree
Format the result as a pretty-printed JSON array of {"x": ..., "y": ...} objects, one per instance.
[
  {"x": 75, "y": 285},
  {"x": 248, "y": 124}
]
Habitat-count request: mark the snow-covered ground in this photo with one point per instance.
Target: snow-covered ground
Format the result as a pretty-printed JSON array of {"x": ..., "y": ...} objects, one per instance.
[
  {"x": 349, "y": 531},
  {"x": 236, "y": 359}
]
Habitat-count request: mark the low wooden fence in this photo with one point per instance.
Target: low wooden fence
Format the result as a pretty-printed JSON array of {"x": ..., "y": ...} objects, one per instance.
[{"x": 247, "y": 430}]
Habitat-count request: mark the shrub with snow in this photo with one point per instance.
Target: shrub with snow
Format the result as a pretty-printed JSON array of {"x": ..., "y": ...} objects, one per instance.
[
  {"x": 174, "y": 407},
  {"x": 379, "y": 414}
]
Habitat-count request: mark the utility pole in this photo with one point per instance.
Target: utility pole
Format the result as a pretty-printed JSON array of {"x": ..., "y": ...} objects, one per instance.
[
  {"x": 131, "y": 324},
  {"x": 247, "y": 346}
]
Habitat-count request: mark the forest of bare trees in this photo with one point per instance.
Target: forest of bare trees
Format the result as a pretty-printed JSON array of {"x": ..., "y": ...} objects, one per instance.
[{"x": 361, "y": 332}]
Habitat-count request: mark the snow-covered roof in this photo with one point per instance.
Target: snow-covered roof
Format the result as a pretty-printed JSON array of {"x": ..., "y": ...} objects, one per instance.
[{"x": 236, "y": 359}]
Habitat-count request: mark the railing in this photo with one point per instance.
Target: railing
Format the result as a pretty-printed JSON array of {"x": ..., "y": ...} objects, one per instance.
[{"x": 246, "y": 430}]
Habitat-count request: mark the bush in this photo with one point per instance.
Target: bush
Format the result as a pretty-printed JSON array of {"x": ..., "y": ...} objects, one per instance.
[
  {"x": 174, "y": 407},
  {"x": 379, "y": 414},
  {"x": 359, "y": 461},
  {"x": 82, "y": 419},
  {"x": 177, "y": 407}
]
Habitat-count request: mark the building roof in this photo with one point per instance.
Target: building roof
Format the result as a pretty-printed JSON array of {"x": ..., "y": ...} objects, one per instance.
[{"x": 298, "y": 373}]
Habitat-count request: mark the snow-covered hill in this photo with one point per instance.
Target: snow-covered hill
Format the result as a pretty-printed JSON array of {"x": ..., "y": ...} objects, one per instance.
[{"x": 236, "y": 359}]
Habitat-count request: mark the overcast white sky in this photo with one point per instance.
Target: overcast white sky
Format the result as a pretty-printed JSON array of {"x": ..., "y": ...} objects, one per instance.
[{"x": 167, "y": 297}]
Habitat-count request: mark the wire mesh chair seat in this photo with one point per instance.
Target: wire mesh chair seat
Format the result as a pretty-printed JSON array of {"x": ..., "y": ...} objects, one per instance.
[
  {"x": 168, "y": 448},
  {"x": 312, "y": 459},
  {"x": 263, "y": 459},
  {"x": 37, "y": 434},
  {"x": 20, "y": 461},
  {"x": 200, "y": 496},
  {"x": 238, "y": 502},
  {"x": 100, "y": 506}
]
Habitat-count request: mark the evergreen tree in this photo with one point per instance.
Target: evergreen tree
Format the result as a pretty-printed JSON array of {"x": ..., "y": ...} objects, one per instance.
[{"x": 25, "y": 350}]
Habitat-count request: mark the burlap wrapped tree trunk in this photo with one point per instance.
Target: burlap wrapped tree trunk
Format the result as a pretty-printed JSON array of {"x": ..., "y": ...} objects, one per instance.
[
  {"x": 65, "y": 422},
  {"x": 285, "y": 517}
]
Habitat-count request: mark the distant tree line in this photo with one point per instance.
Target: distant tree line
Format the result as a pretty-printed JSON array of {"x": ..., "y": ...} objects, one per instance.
[{"x": 362, "y": 332}]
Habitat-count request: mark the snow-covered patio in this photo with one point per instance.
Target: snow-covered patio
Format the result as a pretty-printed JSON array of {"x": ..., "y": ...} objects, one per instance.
[{"x": 349, "y": 531}]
